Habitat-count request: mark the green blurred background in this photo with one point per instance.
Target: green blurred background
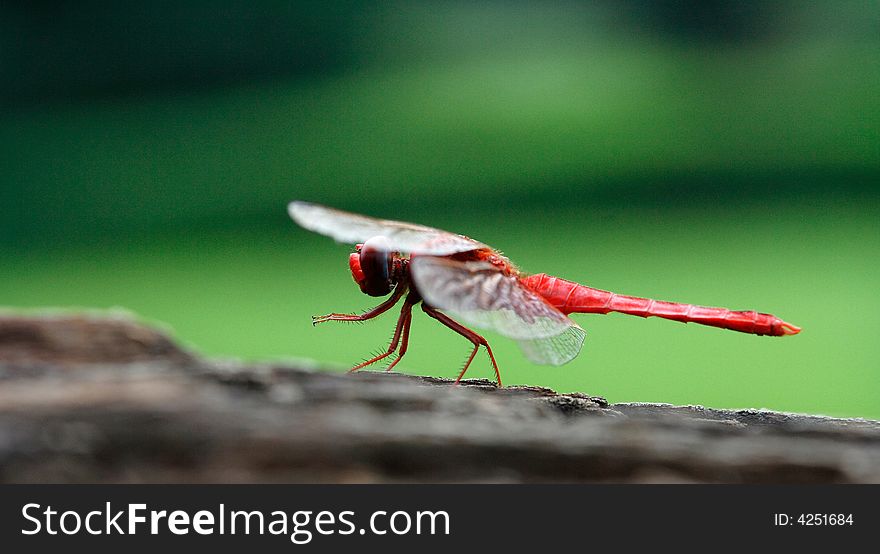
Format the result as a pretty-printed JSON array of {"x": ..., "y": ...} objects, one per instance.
[{"x": 720, "y": 153}]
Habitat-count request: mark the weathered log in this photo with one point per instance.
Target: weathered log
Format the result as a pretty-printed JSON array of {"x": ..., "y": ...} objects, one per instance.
[{"x": 103, "y": 399}]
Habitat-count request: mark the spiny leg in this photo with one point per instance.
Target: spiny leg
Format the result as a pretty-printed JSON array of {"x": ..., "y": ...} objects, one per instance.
[
  {"x": 476, "y": 339},
  {"x": 402, "y": 322},
  {"x": 369, "y": 314},
  {"x": 404, "y": 341}
]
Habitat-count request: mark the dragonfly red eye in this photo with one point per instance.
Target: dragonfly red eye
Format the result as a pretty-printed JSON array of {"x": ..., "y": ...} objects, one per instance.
[
  {"x": 371, "y": 267},
  {"x": 354, "y": 263}
]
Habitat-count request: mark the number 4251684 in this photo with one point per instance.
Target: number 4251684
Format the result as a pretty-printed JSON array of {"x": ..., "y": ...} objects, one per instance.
[{"x": 825, "y": 519}]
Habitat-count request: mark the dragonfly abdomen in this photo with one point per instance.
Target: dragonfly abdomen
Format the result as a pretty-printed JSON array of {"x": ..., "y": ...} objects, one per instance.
[{"x": 569, "y": 297}]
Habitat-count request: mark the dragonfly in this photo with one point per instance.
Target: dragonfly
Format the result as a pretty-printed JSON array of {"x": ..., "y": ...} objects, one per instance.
[{"x": 457, "y": 279}]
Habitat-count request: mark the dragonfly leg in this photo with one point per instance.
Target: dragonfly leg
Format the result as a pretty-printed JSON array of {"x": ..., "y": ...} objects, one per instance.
[
  {"x": 404, "y": 341},
  {"x": 369, "y": 314},
  {"x": 401, "y": 327},
  {"x": 476, "y": 339},
  {"x": 411, "y": 300}
]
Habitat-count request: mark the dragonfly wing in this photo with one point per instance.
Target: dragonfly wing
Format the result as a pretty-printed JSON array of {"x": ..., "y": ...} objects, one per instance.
[
  {"x": 403, "y": 237},
  {"x": 484, "y": 296},
  {"x": 557, "y": 350}
]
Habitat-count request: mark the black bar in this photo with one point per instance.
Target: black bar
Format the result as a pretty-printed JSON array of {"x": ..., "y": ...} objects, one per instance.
[{"x": 516, "y": 517}]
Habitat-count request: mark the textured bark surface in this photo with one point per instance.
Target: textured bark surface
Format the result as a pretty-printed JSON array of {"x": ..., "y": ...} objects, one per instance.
[{"x": 104, "y": 399}]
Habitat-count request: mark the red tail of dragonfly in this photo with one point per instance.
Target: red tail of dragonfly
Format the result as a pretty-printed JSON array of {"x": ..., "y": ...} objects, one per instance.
[
  {"x": 453, "y": 275},
  {"x": 569, "y": 297}
]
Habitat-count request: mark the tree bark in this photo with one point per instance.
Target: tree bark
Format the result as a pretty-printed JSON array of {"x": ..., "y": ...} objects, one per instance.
[{"x": 90, "y": 398}]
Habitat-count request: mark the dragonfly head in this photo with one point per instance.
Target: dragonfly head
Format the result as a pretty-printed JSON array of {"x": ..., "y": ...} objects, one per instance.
[{"x": 371, "y": 266}]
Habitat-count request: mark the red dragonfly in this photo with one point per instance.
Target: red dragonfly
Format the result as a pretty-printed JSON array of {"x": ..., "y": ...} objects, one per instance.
[{"x": 453, "y": 274}]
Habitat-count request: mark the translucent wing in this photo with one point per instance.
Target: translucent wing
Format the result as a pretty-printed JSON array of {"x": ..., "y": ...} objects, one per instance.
[
  {"x": 403, "y": 237},
  {"x": 484, "y": 296}
]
